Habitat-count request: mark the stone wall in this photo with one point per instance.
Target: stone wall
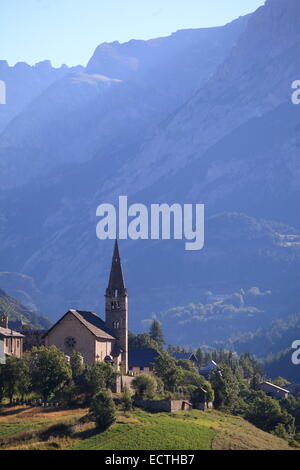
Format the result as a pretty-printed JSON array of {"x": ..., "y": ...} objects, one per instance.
[
  {"x": 122, "y": 382},
  {"x": 203, "y": 406},
  {"x": 168, "y": 406}
]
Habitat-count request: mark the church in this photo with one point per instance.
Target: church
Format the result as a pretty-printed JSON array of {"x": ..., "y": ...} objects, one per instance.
[{"x": 87, "y": 333}]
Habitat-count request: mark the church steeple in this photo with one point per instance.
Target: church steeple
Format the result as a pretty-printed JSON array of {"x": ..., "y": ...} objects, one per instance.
[
  {"x": 116, "y": 278},
  {"x": 116, "y": 309}
]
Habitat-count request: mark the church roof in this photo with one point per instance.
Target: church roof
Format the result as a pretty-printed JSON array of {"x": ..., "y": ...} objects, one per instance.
[
  {"x": 116, "y": 278},
  {"x": 92, "y": 322},
  {"x": 141, "y": 357}
]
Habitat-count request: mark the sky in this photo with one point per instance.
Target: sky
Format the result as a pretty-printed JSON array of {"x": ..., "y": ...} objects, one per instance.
[{"x": 68, "y": 31}]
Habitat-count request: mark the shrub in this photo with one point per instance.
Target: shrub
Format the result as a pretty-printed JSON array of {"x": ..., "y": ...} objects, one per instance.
[
  {"x": 103, "y": 410},
  {"x": 126, "y": 400},
  {"x": 145, "y": 386}
]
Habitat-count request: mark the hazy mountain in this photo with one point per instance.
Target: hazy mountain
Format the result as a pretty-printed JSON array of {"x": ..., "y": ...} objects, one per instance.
[
  {"x": 109, "y": 108},
  {"x": 277, "y": 337},
  {"x": 228, "y": 139},
  {"x": 281, "y": 364},
  {"x": 254, "y": 79},
  {"x": 22, "y": 287},
  {"x": 17, "y": 312},
  {"x": 24, "y": 83}
]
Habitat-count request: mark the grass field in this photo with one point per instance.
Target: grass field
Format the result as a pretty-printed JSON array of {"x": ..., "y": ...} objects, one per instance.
[{"x": 41, "y": 429}]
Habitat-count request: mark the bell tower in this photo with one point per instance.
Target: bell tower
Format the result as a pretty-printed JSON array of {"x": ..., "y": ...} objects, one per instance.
[{"x": 116, "y": 307}]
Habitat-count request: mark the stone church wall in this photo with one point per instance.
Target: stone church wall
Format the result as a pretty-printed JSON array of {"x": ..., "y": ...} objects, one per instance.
[
  {"x": 103, "y": 349},
  {"x": 69, "y": 326}
]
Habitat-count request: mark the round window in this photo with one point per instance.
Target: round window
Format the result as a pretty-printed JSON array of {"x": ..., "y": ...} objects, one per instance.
[{"x": 70, "y": 342}]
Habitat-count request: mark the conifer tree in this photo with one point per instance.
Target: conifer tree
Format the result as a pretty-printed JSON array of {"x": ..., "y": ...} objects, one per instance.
[{"x": 156, "y": 333}]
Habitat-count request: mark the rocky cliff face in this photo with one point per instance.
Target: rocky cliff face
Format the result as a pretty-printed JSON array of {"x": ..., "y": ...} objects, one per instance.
[
  {"x": 107, "y": 110},
  {"x": 255, "y": 79}
]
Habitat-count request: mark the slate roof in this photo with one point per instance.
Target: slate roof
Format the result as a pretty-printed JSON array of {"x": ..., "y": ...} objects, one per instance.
[
  {"x": 91, "y": 321},
  {"x": 181, "y": 356},
  {"x": 275, "y": 387},
  {"x": 212, "y": 365},
  {"x": 8, "y": 333},
  {"x": 116, "y": 278},
  {"x": 141, "y": 357}
]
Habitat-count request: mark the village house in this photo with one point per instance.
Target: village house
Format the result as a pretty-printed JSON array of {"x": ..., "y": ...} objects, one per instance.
[
  {"x": 11, "y": 342},
  {"x": 140, "y": 361},
  {"x": 274, "y": 391},
  {"x": 207, "y": 370}
]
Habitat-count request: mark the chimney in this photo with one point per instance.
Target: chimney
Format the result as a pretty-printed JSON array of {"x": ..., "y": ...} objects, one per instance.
[{"x": 4, "y": 321}]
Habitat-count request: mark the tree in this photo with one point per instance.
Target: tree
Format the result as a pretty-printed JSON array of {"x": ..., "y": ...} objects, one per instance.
[
  {"x": 281, "y": 382},
  {"x": 292, "y": 406},
  {"x": 251, "y": 368},
  {"x": 167, "y": 369},
  {"x": 141, "y": 341},
  {"x": 266, "y": 414},
  {"x": 97, "y": 377},
  {"x": 145, "y": 386},
  {"x": 103, "y": 410},
  {"x": 77, "y": 366},
  {"x": 226, "y": 388},
  {"x": 255, "y": 383},
  {"x": 156, "y": 333},
  {"x": 199, "y": 356},
  {"x": 280, "y": 431},
  {"x": 126, "y": 399},
  {"x": 24, "y": 378},
  {"x": 49, "y": 370},
  {"x": 15, "y": 377},
  {"x": 186, "y": 365}
]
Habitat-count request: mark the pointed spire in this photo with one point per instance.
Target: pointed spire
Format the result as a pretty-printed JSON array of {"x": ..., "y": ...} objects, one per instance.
[{"x": 116, "y": 278}]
